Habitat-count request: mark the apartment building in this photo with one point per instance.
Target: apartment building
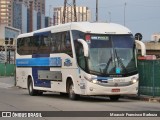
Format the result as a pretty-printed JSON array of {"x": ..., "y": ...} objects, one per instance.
[
  {"x": 83, "y": 14},
  {"x": 6, "y": 12}
]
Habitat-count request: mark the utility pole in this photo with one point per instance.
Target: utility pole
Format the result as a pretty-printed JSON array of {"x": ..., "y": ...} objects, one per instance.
[
  {"x": 109, "y": 16},
  {"x": 125, "y": 13},
  {"x": 96, "y": 10},
  {"x": 69, "y": 11}
]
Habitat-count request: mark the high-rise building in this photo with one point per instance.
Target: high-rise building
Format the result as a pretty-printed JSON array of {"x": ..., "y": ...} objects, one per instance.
[
  {"x": 6, "y": 12},
  {"x": 38, "y": 5},
  {"x": 20, "y": 16},
  {"x": 48, "y": 21},
  {"x": 82, "y": 13},
  {"x": 34, "y": 15}
]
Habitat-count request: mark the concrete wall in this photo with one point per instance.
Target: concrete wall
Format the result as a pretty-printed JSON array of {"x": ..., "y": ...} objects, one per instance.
[{"x": 7, "y": 32}]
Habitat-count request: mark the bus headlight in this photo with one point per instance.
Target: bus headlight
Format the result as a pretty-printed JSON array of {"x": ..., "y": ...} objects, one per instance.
[
  {"x": 95, "y": 81},
  {"x": 134, "y": 80}
]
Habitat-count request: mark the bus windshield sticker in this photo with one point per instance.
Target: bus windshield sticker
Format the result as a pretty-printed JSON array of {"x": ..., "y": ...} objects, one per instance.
[
  {"x": 99, "y": 37},
  {"x": 118, "y": 70}
]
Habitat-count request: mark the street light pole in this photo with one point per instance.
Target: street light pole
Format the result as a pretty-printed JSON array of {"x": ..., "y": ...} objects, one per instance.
[
  {"x": 96, "y": 10},
  {"x": 125, "y": 13},
  {"x": 109, "y": 16}
]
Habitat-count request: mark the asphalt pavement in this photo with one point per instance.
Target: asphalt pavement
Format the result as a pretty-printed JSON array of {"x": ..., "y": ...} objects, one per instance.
[{"x": 7, "y": 82}]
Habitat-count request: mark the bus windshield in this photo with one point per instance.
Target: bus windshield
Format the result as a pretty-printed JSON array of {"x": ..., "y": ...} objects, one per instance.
[{"x": 111, "y": 54}]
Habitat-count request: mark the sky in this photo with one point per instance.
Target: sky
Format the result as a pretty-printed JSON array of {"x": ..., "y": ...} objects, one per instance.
[{"x": 141, "y": 16}]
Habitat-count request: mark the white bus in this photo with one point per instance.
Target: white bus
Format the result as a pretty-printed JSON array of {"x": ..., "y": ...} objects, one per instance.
[{"x": 78, "y": 58}]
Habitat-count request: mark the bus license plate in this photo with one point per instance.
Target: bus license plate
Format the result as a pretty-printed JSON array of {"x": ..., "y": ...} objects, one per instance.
[
  {"x": 115, "y": 90},
  {"x": 118, "y": 80}
]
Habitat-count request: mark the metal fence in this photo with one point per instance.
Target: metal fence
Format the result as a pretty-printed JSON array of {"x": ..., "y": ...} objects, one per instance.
[
  {"x": 149, "y": 74},
  {"x": 7, "y": 69}
]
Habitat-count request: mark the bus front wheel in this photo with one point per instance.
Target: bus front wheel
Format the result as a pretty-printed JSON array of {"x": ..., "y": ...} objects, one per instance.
[{"x": 71, "y": 92}]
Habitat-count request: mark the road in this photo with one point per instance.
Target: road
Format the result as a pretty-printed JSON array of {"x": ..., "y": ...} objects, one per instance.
[{"x": 17, "y": 99}]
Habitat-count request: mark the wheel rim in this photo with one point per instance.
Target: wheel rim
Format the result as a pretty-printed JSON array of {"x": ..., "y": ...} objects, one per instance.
[
  {"x": 71, "y": 90},
  {"x": 30, "y": 87}
]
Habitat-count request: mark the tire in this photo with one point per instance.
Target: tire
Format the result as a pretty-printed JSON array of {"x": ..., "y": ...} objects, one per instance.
[
  {"x": 114, "y": 97},
  {"x": 63, "y": 94},
  {"x": 31, "y": 91},
  {"x": 39, "y": 93},
  {"x": 71, "y": 92}
]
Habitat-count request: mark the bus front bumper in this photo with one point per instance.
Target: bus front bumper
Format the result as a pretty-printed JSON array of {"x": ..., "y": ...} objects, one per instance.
[{"x": 95, "y": 89}]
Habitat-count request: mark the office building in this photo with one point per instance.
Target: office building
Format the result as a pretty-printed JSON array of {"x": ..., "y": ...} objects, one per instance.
[
  {"x": 20, "y": 16},
  {"x": 6, "y": 12},
  {"x": 32, "y": 12},
  {"x": 83, "y": 14},
  {"x": 38, "y": 5},
  {"x": 48, "y": 21}
]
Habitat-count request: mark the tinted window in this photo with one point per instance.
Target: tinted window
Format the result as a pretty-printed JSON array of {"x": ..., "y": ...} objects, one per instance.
[{"x": 45, "y": 43}]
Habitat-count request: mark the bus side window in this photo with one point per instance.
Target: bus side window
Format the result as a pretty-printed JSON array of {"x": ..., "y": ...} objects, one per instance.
[
  {"x": 80, "y": 54},
  {"x": 20, "y": 45},
  {"x": 53, "y": 43},
  {"x": 68, "y": 45},
  {"x": 33, "y": 45},
  {"x": 59, "y": 41}
]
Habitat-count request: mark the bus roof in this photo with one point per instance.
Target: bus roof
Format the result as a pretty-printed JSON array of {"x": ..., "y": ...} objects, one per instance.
[
  {"x": 100, "y": 28},
  {"x": 87, "y": 27}
]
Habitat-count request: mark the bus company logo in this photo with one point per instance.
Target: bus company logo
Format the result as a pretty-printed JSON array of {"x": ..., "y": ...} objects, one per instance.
[{"x": 67, "y": 62}]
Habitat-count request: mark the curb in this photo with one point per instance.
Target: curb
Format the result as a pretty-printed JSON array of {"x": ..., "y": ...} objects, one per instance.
[
  {"x": 144, "y": 98},
  {"x": 154, "y": 100}
]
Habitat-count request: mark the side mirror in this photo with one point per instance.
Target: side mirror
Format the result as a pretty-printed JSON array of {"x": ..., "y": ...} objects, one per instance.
[
  {"x": 85, "y": 47},
  {"x": 143, "y": 47}
]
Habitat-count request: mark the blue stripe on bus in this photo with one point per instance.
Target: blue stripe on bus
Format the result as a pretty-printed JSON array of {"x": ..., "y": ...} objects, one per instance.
[
  {"x": 44, "y": 62},
  {"x": 37, "y": 82},
  {"x": 41, "y": 58}
]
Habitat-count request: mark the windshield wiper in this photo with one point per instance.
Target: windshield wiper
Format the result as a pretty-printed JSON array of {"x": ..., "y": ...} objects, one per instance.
[
  {"x": 119, "y": 60},
  {"x": 95, "y": 72}
]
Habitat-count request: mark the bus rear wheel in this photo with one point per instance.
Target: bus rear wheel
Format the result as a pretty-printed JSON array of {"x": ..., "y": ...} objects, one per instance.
[
  {"x": 31, "y": 91},
  {"x": 71, "y": 92}
]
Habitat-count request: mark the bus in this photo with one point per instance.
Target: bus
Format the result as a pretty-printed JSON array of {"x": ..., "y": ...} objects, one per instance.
[{"x": 78, "y": 58}]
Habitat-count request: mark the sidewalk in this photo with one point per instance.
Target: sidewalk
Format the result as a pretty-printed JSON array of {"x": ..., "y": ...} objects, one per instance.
[
  {"x": 6, "y": 82},
  {"x": 143, "y": 98}
]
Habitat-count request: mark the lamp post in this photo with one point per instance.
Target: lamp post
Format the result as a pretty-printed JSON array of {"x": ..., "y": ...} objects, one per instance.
[
  {"x": 96, "y": 10},
  {"x": 125, "y": 13},
  {"x": 109, "y": 16}
]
